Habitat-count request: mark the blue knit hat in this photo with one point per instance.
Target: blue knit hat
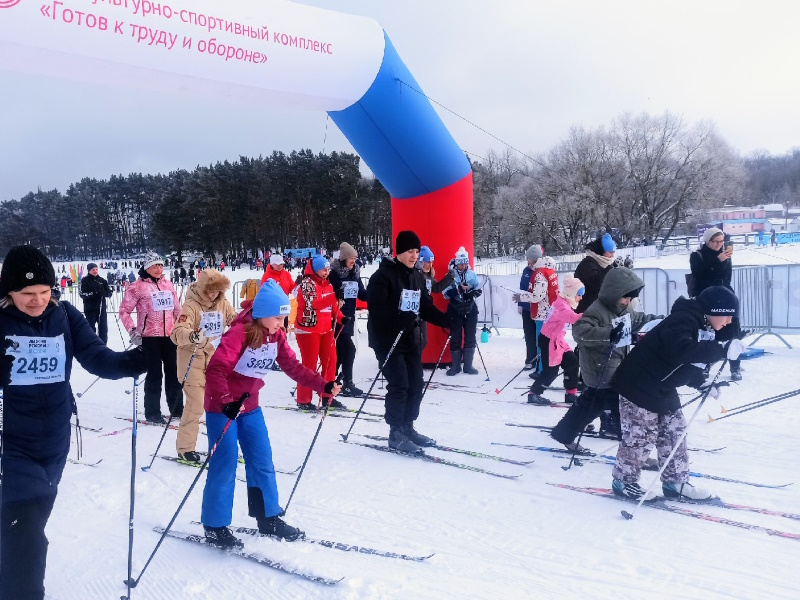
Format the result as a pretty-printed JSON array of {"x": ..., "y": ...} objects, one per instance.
[
  {"x": 271, "y": 301},
  {"x": 609, "y": 245},
  {"x": 319, "y": 262},
  {"x": 425, "y": 254}
]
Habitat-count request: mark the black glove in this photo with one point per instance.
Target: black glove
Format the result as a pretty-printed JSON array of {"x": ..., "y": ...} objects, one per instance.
[
  {"x": 329, "y": 387},
  {"x": 407, "y": 320},
  {"x": 345, "y": 320},
  {"x": 476, "y": 293},
  {"x": 231, "y": 409},
  {"x": 616, "y": 333},
  {"x": 339, "y": 293},
  {"x": 6, "y": 362}
]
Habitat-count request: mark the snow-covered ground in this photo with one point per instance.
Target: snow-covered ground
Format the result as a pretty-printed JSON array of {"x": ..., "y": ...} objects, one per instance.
[{"x": 492, "y": 537}]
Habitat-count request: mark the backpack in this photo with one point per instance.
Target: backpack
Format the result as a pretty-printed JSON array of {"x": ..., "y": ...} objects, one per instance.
[
  {"x": 249, "y": 289},
  {"x": 690, "y": 282}
]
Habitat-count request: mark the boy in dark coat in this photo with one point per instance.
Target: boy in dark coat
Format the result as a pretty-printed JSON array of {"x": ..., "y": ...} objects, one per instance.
[
  {"x": 38, "y": 339},
  {"x": 647, "y": 381},
  {"x": 398, "y": 298}
]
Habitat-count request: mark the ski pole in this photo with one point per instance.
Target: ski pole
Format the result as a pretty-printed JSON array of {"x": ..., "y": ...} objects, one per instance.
[
  {"x": 374, "y": 381},
  {"x": 133, "y": 485},
  {"x": 536, "y": 362},
  {"x": 728, "y": 413},
  {"x": 782, "y": 396},
  {"x": 591, "y": 406},
  {"x": 169, "y": 420},
  {"x": 441, "y": 354},
  {"x": 132, "y": 583},
  {"x": 308, "y": 454},
  {"x": 628, "y": 516},
  {"x": 695, "y": 399},
  {"x": 483, "y": 363}
]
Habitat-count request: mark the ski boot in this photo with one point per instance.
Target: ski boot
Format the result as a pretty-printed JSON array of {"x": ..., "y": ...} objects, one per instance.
[
  {"x": 221, "y": 537},
  {"x": 633, "y": 491},
  {"x": 416, "y": 437},
  {"x": 399, "y": 440},
  {"x": 278, "y": 528},
  {"x": 469, "y": 354},
  {"x": 455, "y": 369}
]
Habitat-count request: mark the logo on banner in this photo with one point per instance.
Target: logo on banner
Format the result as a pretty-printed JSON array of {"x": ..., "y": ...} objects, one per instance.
[{"x": 9, "y": 3}]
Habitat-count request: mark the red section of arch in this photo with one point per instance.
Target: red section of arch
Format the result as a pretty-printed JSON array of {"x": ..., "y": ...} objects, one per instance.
[{"x": 443, "y": 221}]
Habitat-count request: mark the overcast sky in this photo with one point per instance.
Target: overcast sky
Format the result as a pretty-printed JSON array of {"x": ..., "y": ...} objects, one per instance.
[{"x": 524, "y": 70}]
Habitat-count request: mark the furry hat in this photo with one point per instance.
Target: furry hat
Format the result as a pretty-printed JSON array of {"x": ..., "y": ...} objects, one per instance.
[
  {"x": 545, "y": 262},
  {"x": 710, "y": 233},
  {"x": 347, "y": 251},
  {"x": 211, "y": 280},
  {"x": 571, "y": 288},
  {"x": 534, "y": 253}
]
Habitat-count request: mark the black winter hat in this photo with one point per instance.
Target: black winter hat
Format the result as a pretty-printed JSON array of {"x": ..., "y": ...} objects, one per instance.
[
  {"x": 90, "y": 266},
  {"x": 718, "y": 301},
  {"x": 24, "y": 266},
  {"x": 406, "y": 240}
]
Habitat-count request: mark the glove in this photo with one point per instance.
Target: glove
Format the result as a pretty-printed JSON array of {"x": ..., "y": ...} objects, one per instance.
[
  {"x": 452, "y": 267},
  {"x": 476, "y": 293},
  {"x": 519, "y": 309},
  {"x": 198, "y": 336},
  {"x": 232, "y": 409},
  {"x": 136, "y": 337},
  {"x": 711, "y": 390},
  {"x": 6, "y": 363},
  {"x": 332, "y": 388},
  {"x": 735, "y": 348},
  {"x": 339, "y": 293},
  {"x": 616, "y": 333},
  {"x": 345, "y": 320}
]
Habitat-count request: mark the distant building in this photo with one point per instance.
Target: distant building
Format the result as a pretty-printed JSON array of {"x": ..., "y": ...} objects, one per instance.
[{"x": 753, "y": 219}]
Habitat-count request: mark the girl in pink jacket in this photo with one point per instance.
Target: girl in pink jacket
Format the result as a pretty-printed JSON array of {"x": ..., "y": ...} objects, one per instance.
[
  {"x": 245, "y": 356},
  {"x": 153, "y": 298},
  {"x": 554, "y": 349}
]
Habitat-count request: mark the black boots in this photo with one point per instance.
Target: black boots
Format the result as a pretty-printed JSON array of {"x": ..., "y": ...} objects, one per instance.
[
  {"x": 400, "y": 441},
  {"x": 455, "y": 369},
  {"x": 469, "y": 354},
  {"x": 277, "y": 527},
  {"x": 420, "y": 440},
  {"x": 221, "y": 537}
]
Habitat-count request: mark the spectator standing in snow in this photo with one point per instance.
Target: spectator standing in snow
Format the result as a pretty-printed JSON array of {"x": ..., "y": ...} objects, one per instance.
[
  {"x": 463, "y": 313},
  {"x": 94, "y": 291},
  {"x": 529, "y": 326}
]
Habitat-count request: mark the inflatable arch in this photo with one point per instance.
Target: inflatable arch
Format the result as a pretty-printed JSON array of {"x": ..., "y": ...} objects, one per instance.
[{"x": 276, "y": 54}]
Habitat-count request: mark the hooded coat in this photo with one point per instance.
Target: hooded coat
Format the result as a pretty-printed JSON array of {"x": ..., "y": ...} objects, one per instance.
[
  {"x": 592, "y": 331},
  {"x": 664, "y": 359},
  {"x": 342, "y": 277},
  {"x": 191, "y": 319}
]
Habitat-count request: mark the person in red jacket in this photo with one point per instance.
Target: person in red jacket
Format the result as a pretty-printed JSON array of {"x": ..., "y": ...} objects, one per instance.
[
  {"x": 317, "y": 309},
  {"x": 245, "y": 354},
  {"x": 276, "y": 271}
]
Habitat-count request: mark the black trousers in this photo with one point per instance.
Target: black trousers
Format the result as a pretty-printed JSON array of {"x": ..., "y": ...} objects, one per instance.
[
  {"x": 98, "y": 321},
  {"x": 589, "y": 405},
  {"x": 345, "y": 355},
  {"x": 463, "y": 325},
  {"x": 548, "y": 374},
  {"x": 403, "y": 375},
  {"x": 24, "y": 548},
  {"x": 161, "y": 353},
  {"x": 529, "y": 329}
]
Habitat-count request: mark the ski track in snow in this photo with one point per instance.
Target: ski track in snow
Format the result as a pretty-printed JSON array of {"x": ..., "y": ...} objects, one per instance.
[{"x": 492, "y": 538}]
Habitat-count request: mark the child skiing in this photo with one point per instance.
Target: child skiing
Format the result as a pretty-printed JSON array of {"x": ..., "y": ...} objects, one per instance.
[
  {"x": 244, "y": 357},
  {"x": 463, "y": 313}
]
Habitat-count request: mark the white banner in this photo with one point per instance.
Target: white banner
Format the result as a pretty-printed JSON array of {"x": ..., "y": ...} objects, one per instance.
[{"x": 269, "y": 51}]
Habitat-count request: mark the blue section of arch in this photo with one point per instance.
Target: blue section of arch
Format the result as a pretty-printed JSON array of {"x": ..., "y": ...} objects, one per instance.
[{"x": 398, "y": 134}]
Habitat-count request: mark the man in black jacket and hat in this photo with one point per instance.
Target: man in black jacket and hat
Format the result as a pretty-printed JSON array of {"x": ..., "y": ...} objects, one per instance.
[{"x": 94, "y": 291}]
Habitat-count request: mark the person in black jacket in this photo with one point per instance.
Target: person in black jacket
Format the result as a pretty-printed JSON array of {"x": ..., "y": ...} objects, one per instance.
[
  {"x": 345, "y": 277},
  {"x": 38, "y": 339},
  {"x": 711, "y": 265},
  {"x": 594, "y": 267},
  {"x": 94, "y": 291},
  {"x": 647, "y": 381},
  {"x": 398, "y": 297}
]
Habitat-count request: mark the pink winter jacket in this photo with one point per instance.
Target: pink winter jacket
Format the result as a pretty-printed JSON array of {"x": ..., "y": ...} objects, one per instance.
[
  {"x": 139, "y": 297},
  {"x": 224, "y": 384},
  {"x": 555, "y": 329}
]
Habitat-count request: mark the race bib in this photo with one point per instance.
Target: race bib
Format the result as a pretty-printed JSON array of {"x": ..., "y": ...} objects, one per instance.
[
  {"x": 409, "y": 301},
  {"x": 429, "y": 284},
  {"x": 212, "y": 323},
  {"x": 256, "y": 363},
  {"x": 626, "y": 329},
  {"x": 549, "y": 314},
  {"x": 350, "y": 289},
  {"x": 162, "y": 301},
  {"x": 37, "y": 359},
  {"x": 705, "y": 336}
]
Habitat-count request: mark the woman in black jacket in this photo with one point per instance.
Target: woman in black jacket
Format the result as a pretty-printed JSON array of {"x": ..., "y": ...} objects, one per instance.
[
  {"x": 711, "y": 265},
  {"x": 38, "y": 339},
  {"x": 594, "y": 268}
]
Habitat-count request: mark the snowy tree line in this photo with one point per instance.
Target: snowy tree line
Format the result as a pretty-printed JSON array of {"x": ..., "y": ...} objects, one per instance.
[{"x": 645, "y": 177}]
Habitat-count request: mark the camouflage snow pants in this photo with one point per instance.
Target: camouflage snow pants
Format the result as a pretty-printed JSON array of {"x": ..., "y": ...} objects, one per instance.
[{"x": 641, "y": 429}]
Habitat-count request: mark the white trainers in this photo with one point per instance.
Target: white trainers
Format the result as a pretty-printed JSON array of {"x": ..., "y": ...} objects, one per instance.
[{"x": 686, "y": 490}]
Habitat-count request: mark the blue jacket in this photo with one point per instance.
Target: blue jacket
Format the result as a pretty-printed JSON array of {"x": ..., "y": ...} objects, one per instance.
[
  {"x": 36, "y": 427},
  {"x": 340, "y": 273},
  {"x": 454, "y": 292},
  {"x": 524, "y": 284}
]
